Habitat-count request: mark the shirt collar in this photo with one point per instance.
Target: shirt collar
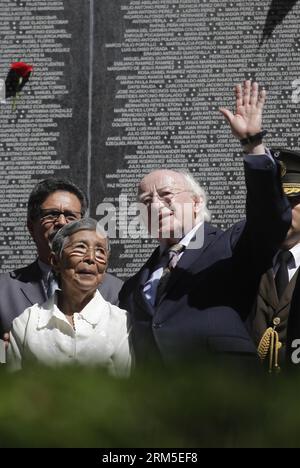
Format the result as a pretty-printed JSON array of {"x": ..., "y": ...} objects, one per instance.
[
  {"x": 295, "y": 251},
  {"x": 186, "y": 239},
  {"x": 45, "y": 269},
  {"x": 296, "y": 254},
  {"x": 92, "y": 312}
]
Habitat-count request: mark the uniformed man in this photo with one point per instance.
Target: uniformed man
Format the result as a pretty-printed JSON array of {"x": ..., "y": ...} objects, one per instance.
[{"x": 275, "y": 322}]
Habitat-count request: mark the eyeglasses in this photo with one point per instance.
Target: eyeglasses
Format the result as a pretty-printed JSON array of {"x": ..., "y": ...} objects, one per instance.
[
  {"x": 165, "y": 196},
  {"x": 50, "y": 216},
  {"x": 80, "y": 249}
]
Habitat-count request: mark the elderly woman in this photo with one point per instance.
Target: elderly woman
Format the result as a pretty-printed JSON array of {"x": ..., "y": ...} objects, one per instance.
[{"x": 76, "y": 325}]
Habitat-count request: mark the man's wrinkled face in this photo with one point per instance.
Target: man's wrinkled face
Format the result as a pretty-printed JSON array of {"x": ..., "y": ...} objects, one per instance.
[
  {"x": 83, "y": 261},
  {"x": 293, "y": 236},
  {"x": 172, "y": 208},
  {"x": 58, "y": 209}
]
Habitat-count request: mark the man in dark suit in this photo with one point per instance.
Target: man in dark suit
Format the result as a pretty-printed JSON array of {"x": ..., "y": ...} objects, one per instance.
[
  {"x": 52, "y": 204},
  {"x": 189, "y": 300},
  {"x": 275, "y": 321}
]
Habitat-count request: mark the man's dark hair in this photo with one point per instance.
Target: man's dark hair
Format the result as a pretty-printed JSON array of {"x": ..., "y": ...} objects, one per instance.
[{"x": 48, "y": 186}]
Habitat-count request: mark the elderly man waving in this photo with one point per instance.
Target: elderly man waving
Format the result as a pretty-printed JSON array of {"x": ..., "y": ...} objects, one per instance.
[{"x": 195, "y": 291}]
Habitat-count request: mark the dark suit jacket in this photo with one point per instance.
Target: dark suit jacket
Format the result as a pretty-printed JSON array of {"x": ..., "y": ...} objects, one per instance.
[
  {"x": 212, "y": 289},
  {"x": 23, "y": 288},
  {"x": 268, "y": 307},
  {"x": 288, "y": 310}
]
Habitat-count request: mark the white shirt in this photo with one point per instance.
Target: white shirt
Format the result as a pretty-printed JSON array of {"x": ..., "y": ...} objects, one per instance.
[
  {"x": 293, "y": 264},
  {"x": 43, "y": 334},
  {"x": 150, "y": 288}
]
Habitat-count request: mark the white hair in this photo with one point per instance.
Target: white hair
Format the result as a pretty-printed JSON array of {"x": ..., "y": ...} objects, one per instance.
[{"x": 196, "y": 189}]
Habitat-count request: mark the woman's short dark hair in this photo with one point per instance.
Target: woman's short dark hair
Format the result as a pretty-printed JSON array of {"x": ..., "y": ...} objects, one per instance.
[
  {"x": 85, "y": 224},
  {"x": 48, "y": 186}
]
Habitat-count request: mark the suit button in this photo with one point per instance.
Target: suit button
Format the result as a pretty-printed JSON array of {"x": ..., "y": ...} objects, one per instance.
[{"x": 157, "y": 325}]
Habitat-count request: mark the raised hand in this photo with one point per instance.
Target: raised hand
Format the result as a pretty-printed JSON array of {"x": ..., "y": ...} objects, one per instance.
[{"x": 247, "y": 120}]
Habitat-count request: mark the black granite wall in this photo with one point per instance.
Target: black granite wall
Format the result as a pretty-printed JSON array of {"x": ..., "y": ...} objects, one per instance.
[{"x": 121, "y": 87}]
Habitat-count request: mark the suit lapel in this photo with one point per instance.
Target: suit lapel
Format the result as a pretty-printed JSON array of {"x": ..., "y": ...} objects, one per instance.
[
  {"x": 189, "y": 258},
  {"x": 32, "y": 284},
  {"x": 288, "y": 293},
  {"x": 267, "y": 289},
  {"x": 138, "y": 296},
  {"x": 145, "y": 272}
]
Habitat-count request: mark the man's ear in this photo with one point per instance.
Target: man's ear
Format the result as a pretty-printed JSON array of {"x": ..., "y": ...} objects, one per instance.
[{"x": 54, "y": 262}]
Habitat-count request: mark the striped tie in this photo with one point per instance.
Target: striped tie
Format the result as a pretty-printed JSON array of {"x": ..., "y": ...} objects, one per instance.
[{"x": 173, "y": 254}]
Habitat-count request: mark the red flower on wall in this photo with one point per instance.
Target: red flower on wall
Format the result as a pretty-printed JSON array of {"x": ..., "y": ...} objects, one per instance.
[{"x": 17, "y": 77}]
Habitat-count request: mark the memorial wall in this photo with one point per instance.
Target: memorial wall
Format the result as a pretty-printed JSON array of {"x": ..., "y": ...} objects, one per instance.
[{"x": 121, "y": 87}]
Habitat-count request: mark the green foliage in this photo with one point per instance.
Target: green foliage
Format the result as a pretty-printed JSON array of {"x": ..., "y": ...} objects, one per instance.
[{"x": 207, "y": 407}]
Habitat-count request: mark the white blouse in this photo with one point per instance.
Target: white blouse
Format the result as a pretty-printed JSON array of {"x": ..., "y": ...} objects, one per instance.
[{"x": 100, "y": 337}]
